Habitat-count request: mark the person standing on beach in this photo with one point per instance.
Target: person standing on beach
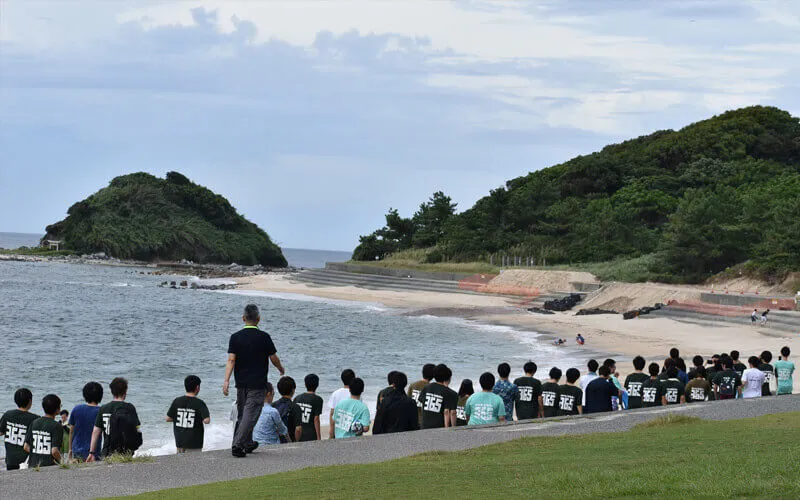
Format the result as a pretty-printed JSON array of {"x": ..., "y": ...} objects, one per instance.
[
  {"x": 188, "y": 415},
  {"x": 754, "y": 316},
  {"x": 45, "y": 434},
  {"x": 14, "y": 426},
  {"x": 249, "y": 352},
  {"x": 351, "y": 416},
  {"x": 529, "y": 403},
  {"x": 310, "y": 409},
  {"x": 784, "y": 369},
  {"x": 439, "y": 401},
  {"x": 764, "y": 317},
  {"x": 752, "y": 379},
  {"x": 507, "y": 391},
  {"x": 674, "y": 390},
  {"x": 397, "y": 412},
  {"x": 464, "y": 392},
  {"x": 698, "y": 389},
  {"x": 600, "y": 392},
  {"x": 635, "y": 382},
  {"x": 592, "y": 365},
  {"x": 485, "y": 407},
  {"x": 769, "y": 373},
  {"x": 653, "y": 389},
  {"x": 550, "y": 393},
  {"x": 338, "y": 396},
  {"x": 727, "y": 383},
  {"x": 117, "y": 424},
  {"x": 81, "y": 421},
  {"x": 415, "y": 389},
  {"x": 570, "y": 396}
]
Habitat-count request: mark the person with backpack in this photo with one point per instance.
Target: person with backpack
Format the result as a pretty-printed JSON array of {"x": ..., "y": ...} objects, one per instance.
[
  {"x": 727, "y": 384},
  {"x": 189, "y": 414},
  {"x": 269, "y": 428},
  {"x": 290, "y": 413},
  {"x": 118, "y": 423}
]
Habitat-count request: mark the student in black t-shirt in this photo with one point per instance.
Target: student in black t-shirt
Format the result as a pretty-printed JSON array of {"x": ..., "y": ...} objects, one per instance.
[
  {"x": 769, "y": 372},
  {"x": 529, "y": 404},
  {"x": 600, "y": 391},
  {"x": 570, "y": 397},
  {"x": 189, "y": 414},
  {"x": 550, "y": 393},
  {"x": 738, "y": 366},
  {"x": 653, "y": 389},
  {"x": 464, "y": 392},
  {"x": 310, "y": 409},
  {"x": 102, "y": 424},
  {"x": 14, "y": 426},
  {"x": 290, "y": 413},
  {"x": 249, "y": 352},
  {"x": 45, "y": 435},
  {"x": 439, "y": 401},
  {"x": 397, "y": 412},
  {"x": 727, "y": 384},
  {"x": 635, "y": 382},
  {"x": 674, "y": 388}
]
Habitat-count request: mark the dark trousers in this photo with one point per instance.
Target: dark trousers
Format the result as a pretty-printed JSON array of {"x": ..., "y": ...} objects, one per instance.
[
  {"x": 12, "y": 467},
  {"x": 249, "y": 403}
]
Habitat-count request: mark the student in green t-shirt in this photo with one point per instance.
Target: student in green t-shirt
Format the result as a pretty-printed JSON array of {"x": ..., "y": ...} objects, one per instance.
[
  {"x": 485, "y": 407},
  {"x": 45, "y": 435},
  {"x": 784, "y": 369},
  {"x": 188, "y": 414},
  {"x": 351, "y": 416},
  {"x": 14, "y": 425}
]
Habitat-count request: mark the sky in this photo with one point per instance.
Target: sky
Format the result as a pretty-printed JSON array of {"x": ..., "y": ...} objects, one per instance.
[{"x": 315, "y": 117}]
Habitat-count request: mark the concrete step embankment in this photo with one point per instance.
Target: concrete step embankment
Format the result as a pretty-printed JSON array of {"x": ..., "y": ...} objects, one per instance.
[{"x": 782, "y": 321}]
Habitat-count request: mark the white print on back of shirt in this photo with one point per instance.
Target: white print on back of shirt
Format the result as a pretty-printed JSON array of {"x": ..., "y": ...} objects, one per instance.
[
  {"x": 344, "y": 420},
  {"x": 526, "y": 394},
  {"x": 460, "y": 414},
  {"x": 635, "y": 389},
  {"x": 548, "y": 398},
  {"x": 185, "y": 418},
  {"x": 649, "y": 394},
  {"x": 672, "y": 395},
  {"x": 698, "y": 394},
  {"x": 483, "y": 411},
  {"x": 567, "y": 402},
  {"x": 41, "y": 443},
  {"x": 415, "y": 396},
  {"x": 15, "y": 433},
  {"x": 433, "y": 403},
  {"x": 306, "y": 415}
]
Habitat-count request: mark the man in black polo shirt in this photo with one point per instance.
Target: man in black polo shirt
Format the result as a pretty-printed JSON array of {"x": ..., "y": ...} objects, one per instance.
[{"x": 249, "y": 351}]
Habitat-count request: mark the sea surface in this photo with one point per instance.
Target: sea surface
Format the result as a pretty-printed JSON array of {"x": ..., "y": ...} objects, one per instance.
[{"x": 62, "y": 325}]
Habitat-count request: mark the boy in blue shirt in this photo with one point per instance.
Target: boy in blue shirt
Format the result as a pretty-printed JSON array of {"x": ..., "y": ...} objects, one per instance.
[{"x": 81, "y": 422}]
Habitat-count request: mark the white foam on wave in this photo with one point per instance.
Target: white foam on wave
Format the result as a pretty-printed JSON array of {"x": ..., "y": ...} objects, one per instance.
[
  {"x": 217, "y": 436},
  {"x": 370, "y": 306}
]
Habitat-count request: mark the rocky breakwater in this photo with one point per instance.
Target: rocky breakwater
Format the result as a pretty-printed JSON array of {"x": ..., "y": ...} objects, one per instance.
[
  {"x": 93, "y": 258},
  {"x": 210, "y": 271}
]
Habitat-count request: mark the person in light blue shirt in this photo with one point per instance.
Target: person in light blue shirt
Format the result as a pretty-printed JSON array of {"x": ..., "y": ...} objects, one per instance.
[
  {"x": 784, "y": 369},
  {"x": 507, "y": 391},
  {"x": 270, "y": 429},
  {"x": 485, "y": 407},
  {"x": 81, "y": 422},
  {"x": 351, "y": 416}
]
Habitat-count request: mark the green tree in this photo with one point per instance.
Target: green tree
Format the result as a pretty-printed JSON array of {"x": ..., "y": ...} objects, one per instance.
[{"x": 430, "y": 220}]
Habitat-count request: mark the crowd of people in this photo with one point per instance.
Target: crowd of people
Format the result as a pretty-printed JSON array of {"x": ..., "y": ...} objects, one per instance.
[{"x": 91, "y": 431}]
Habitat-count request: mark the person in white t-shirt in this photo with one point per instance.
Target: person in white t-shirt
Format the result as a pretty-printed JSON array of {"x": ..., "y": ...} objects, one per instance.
[
  {"x": 338, "y": 395},
  {"x": 593, "y": 365},
  {"x": 752, "y": 379}
]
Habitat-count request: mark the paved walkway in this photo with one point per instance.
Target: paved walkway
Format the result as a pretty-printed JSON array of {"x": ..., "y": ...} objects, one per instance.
[{"x": 174, "y": 471}]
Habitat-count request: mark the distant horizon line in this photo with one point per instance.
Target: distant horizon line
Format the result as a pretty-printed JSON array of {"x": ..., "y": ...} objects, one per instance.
[{"x": 39, "y": 235}]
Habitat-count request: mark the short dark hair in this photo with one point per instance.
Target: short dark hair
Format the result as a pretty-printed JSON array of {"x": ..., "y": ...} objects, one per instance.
[
  {"x": 269, "y": 388},
  {"x": 191, "y": 383},
  {"x": 699, "y": 372},
  {"x": 251, "y": 313},
  {"x": 727, "y": 361},
  {"x": 486, "y": 381},
  {"x": 785, "y": 351},
  {"x": 669, "y": 362},
  {"x": 639, "y": 362},
  {"x": 312, "y": 382},
  {"x": 654, "y": 369},
  {"x": 357, "y": 387},
  {"x": 286, "y": 385},
  {"x": 443, "y": 373},
  {"x": 23, "y": 397},
  {"x": 64, "y": 412},
  {"x": 680, "y": 364},
  {"x": 92, "y": 392},
  {"x": 698, "y": 360},
  {"x": 735, "y": 355},
  {"x": 390, "y": 376},
  {"x": 753, "y": 360},
  {"x": 466, "y": 388},
  {"x": 609, "y": 362},
  {"x": 766, "y": 356},
  {"x": 119, "y": 387},
  {"x": 50, "y": 404},
  {"x": 555, "y": 373},
  {"x": 504, "y": 370},
  {"x": 674, "y": 353},
  {"x": 347, "y": 376},
  {"x": 399, "y": 380},
  {"x": 530, "y": 367},
  {"x": 604, "y": 371},
  {"x": 592, "y": 365},
  {"x": 672, "y": 372},
  {"x": 428, "y": 371},
  {"x": 572, "y": 375}
]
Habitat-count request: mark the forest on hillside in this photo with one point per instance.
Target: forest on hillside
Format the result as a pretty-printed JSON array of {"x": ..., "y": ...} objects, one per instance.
[{"x": 718, "y": 193}]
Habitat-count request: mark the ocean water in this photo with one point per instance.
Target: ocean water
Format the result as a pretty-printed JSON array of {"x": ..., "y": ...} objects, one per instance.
[
  {"x": 62, "y": 325},
  {"x": 297, "y": 257}
]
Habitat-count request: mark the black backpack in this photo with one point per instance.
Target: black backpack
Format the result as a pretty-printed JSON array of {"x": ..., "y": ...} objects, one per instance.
[
  {"x": 123, "y": 436},
  {"x": 283, "y": 406}
]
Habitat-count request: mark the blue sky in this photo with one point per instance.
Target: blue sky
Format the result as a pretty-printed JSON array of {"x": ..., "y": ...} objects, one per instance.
[{"x": 314, "y": 117}]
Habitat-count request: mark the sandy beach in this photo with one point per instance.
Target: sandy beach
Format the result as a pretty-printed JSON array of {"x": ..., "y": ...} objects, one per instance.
[{"x": 610, "y": 334}]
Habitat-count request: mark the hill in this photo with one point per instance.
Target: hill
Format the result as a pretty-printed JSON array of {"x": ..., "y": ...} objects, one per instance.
[
  {"x": 718, "y": 193},
  {"x": 140, "y": 216}
]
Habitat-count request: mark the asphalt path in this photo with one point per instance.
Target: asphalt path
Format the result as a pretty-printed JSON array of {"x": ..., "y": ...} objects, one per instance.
[{"x": 101, "y": 480}]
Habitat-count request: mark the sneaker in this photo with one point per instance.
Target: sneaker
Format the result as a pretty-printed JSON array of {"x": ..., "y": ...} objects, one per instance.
[
  {"x": 250, "y": 448},
  {"x": 238, "y": 452}
]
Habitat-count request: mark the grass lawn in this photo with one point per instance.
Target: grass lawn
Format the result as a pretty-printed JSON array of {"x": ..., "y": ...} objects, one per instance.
[{"x": 676, "y": 457}]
